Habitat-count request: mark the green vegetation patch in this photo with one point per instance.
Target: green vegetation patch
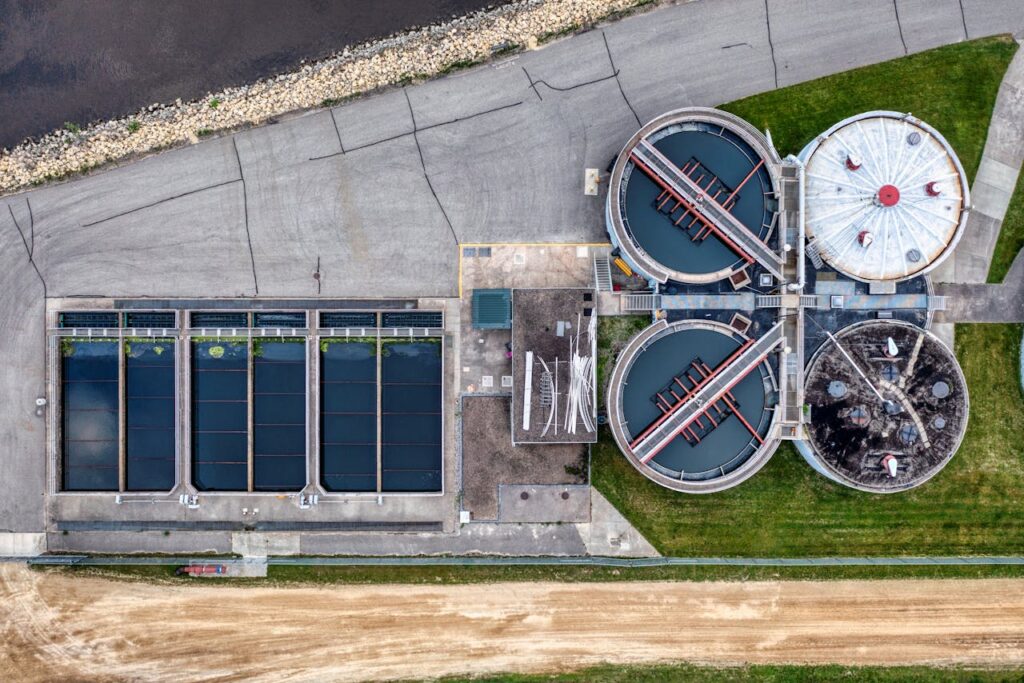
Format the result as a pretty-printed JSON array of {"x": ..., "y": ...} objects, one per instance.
[
  {"x": 613, "y": 333},
  {"x": 69, "y": 344},
  {"x": 259, "y": 342},
  {"x": 775, "y": 673},
  {"x": 138, "y": 345},
  {"x": 1011, "y": 236},
  {"x": 325, "y": 342},
  {"x": 787, "y": 509},
  {"x": 953, "y": 88},
  {"x": 445, "y": 575}
]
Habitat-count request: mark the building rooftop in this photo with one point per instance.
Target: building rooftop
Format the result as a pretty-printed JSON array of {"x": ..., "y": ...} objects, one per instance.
[{"x": 553, "y": 366}]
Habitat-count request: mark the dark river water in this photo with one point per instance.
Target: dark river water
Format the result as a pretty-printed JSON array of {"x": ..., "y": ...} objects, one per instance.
[{"x": 83, "y": 60}]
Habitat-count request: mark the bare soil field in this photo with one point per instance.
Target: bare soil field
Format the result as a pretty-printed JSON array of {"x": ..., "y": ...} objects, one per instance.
[{"x": 57, "y": 626}]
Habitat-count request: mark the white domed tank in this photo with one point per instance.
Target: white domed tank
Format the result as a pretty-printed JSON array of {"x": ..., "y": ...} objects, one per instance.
[{"x": 886, "y": 198}]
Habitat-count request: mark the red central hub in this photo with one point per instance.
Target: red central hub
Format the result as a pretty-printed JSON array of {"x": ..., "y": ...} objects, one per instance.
[{"x": 888, "y": 195}]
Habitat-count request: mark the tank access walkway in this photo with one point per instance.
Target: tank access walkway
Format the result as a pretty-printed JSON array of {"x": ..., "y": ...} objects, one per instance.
[
  {"x": 706, "y": 208},
  {"x": 715, "y": 385}
]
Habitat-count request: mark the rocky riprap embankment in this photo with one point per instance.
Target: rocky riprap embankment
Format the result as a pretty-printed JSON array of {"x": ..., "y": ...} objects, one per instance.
[{"x": 416, "y": 54}]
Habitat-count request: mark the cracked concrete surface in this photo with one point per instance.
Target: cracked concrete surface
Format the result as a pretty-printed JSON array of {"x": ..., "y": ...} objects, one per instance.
[
  {"x": 355, "y": 191},
  {"x": 961, "y": 278}
]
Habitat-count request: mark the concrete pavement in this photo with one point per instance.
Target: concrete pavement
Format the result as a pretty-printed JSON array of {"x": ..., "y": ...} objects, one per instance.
[
  {"x": 380, "y": 190},
  {"x": 994, "y": 183},
  {"x": 961, "y": 278}
]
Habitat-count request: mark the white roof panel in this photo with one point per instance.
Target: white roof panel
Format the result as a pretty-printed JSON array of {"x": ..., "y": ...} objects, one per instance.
[{"x": 885, "y": 196}]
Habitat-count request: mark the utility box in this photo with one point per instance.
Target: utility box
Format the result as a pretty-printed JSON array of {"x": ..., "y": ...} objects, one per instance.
[{"x": 492, "y": 309}]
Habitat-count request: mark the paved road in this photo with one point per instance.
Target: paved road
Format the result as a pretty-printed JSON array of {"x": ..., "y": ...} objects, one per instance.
[
  {"x": 82, "y": 60},
  {"x": 60, "y": 626},
  {"x": 381, "y": 190}
]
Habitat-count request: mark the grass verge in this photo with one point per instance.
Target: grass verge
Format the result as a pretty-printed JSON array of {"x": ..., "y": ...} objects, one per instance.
[
  {"x": 334, "y": 575},
  {"x": 1011, "y": 236},
  {"x": 613, "y": 333},
  {"x": 952, "y": 88},
  {"x": 789, "y": 510},
  {"x": 776, "y": 673}
]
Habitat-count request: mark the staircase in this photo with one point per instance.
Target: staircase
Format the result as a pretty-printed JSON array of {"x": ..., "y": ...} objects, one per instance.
[
  {"x": 602, "y": 274},
  {"x": 641, "y": 303}
]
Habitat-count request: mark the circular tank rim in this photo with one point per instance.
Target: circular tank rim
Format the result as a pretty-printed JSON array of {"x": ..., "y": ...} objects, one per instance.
[
  {"x": 811, "y": 147},
  {"x": 848, "y": 481},
  {"x": 624, "y": 362},
  {"x": 636, "y": 255}
]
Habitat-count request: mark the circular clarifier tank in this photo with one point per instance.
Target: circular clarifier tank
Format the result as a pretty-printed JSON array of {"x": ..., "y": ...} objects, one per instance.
[
  {"x": 665, "y": 233},
  {"x": 885, "y": 196},
  {"x": 666, "y": 423},
  {"x": 888, "y": 405}
]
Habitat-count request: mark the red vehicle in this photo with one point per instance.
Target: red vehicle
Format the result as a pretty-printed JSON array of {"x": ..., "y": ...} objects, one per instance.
[{"x": 201, "y": 569}]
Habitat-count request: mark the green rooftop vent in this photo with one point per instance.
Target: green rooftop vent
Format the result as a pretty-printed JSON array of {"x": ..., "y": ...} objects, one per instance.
[{"x": 492, "y": 309}]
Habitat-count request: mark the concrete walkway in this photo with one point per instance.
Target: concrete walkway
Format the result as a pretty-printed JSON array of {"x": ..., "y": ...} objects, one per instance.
[
  {"x": 962, "y": 277},
  {"x": 376, "y": 195}
]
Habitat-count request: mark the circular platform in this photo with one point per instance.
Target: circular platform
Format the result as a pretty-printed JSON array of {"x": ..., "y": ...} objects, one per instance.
[
  {"x": 885, "y": 196},
  {"x": 899, "y": 437},
  {"x": 726, "y": 443},
  {"x": 659, "y": 232}
]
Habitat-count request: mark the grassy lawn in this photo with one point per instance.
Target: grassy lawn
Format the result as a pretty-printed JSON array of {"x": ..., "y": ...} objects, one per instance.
[
  {"x": 1011, "y": 236},
  {"x": 327, "y": 575},
  {"x": 953, "y": 88},
  {"x": 756, "y": 674},
  {"x": 613, "y": 332},
  {"x": 751, "y": 674},
  {"x": 972, "y": 506}
]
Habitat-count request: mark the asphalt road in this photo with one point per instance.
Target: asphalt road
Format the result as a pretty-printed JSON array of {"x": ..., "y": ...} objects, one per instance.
[
  {"x": 83, "y": 60},
  {"x": 380, "y": 191}
]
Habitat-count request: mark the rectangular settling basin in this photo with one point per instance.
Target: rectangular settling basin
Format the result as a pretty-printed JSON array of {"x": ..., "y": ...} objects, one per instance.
[
  {"x": 279, "y": 414},
  {"x": 220, "y": 415},
  {"x": 348, "y": 414},
  {"x": 90, "y": 429},
  {"x": 150, "y": 414},
  {"x": 411, "y": 420}
]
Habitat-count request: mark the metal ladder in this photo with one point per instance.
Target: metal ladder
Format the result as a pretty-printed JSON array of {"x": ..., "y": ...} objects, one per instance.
[
  {"x": 768, "y": 301},
  {"x": 602, "y": 274},
  {"x": 814, "y": 254},
  {"x": 641, "y": 303},
  {"x": 547, "y": 390}
]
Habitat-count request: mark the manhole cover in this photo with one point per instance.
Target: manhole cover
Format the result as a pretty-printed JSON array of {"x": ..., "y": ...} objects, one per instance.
[
  {"x": 908, "y": 434},
  {"x": 890, "y": 373},
  {"x": 836, "y": 389}
]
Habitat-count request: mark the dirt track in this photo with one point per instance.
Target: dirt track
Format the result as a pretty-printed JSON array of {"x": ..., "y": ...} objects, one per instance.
[{"x": 55, "y": 626}]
